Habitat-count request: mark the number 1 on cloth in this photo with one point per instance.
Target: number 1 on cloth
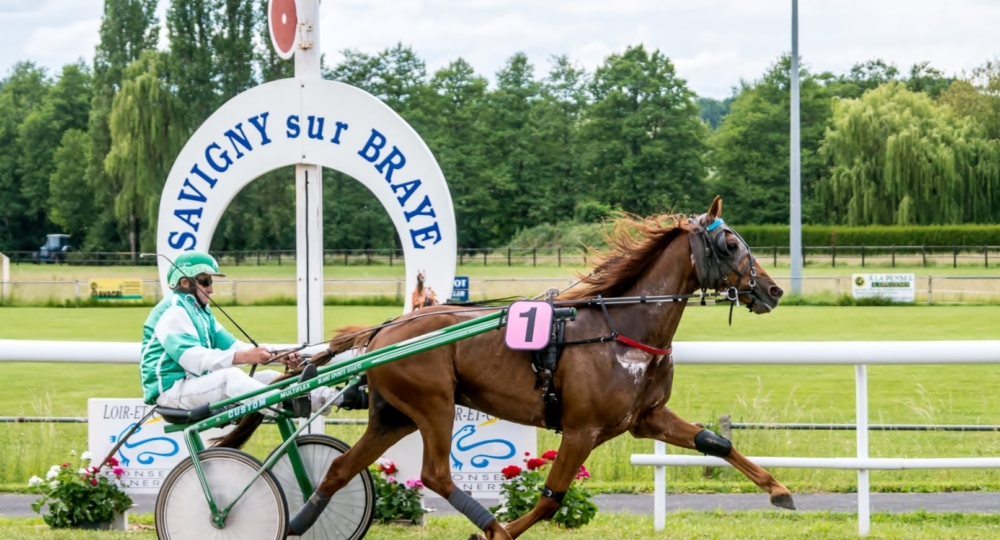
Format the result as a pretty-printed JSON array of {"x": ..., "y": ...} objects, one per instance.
[{"x": 529, "y": 325}]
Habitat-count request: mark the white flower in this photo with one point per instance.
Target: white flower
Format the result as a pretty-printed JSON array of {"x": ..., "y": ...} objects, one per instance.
[
  {"x": 72, "y": 452},
  {"x": 82, "y": 472},
  {"x": 87, "y": 456},
  {"x": 34, "y": 481},
  {"x": 54, "y": 484},
  {"x": 54, "y": 468},
  {"x": 384, "y": 462},
  {"x": 51, "y": 474}
]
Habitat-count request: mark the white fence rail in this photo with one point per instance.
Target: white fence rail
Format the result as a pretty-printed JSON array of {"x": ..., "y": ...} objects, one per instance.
[{"x": 857, "y": 353}]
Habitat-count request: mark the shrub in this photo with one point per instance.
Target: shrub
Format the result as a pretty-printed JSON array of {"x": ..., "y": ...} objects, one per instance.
[
  {"x": 522, "y": 488},
  {"x": 76, "y": 497},
  {"x": 394, "y": 501}
]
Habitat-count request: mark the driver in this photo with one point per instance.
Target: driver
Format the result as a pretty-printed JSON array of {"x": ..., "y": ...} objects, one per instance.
[{"x": 188, "y": 358}]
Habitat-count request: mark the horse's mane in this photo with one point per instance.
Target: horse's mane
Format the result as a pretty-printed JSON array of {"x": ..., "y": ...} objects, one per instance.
[{"x": 634, "y": 244}]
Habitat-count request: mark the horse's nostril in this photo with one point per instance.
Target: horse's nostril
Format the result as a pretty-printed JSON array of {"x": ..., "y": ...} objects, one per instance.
[{"x": 775, "y": 291}]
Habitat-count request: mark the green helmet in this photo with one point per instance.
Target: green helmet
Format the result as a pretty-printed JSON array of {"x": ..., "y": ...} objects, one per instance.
[{"x": 190, "y": 264}]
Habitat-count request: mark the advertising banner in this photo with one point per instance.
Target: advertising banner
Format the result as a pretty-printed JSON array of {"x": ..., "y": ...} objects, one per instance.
[
  {"x": 895, "y": 287},
  {"x": 116, "y": 289}
]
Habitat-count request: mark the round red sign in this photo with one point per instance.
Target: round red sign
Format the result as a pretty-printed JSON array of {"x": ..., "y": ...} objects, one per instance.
[{"x": 282, "y": 20}]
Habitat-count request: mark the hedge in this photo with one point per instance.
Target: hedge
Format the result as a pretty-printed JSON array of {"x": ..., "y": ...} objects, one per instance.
[
  {"x": 572, "y": 234},
  {"x": 832, "y": 235}
]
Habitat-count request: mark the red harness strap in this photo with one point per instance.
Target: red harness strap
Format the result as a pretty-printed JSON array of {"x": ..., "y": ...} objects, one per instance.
[{"x": 642, "y": 346}]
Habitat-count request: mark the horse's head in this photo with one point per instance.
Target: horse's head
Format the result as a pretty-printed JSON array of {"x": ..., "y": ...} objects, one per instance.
[{"x": 723, "y": 262}]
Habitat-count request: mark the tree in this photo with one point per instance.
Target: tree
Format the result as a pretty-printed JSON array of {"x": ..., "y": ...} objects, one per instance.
[
  {"x": 563, "y": 101},
  {"x": 977, "y": 96},
  {"x": 21, "y": 92},
  {"x": 643, "y": 141},
  {"x": 71, "y": 199},
  {"x": 236, "y": 26},
  {"x": 190, "y": 65},
  {"x": 147, "y": 133},
  {"x": 712, "y": 111},
  {"x": 750, "y": 149},
  {"x": 898, "y": 158},
  {"x": 65, "y": 106},
  {"x": 926, "y": 79},
  {"x": 128, "y": 28}
]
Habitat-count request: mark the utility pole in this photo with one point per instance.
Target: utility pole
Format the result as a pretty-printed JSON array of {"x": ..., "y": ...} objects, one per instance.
[{"x": 795, "y": 242}]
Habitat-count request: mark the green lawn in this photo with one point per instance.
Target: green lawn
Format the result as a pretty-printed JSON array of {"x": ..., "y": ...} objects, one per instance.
[
  {"x": 898, "y": 394},
  {"x": 679, "y": 525}
]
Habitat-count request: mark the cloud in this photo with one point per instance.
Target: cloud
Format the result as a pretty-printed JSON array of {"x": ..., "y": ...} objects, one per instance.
[
  {"x": 62, "y": 45},
  {"x": 714, "y": 43}
]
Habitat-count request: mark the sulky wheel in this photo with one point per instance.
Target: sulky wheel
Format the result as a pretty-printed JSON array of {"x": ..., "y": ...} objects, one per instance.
[
  {"x": 182, "y": 512},
  {"x": 349, "y": 513}
]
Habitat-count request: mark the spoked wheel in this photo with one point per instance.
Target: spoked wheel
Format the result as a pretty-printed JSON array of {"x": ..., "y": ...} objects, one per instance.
[
  {"x": 182, "y": 512},
  {"x": 350, "y": 511}
]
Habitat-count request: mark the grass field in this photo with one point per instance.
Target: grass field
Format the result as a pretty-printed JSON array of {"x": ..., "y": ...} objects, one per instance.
[
  {"x": 898, "y": 394},
  {"x": 680, "y": 526}
]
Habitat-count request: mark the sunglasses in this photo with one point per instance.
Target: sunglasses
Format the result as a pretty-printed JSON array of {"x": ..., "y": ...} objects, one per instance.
[{"x": 204, "y": 281}]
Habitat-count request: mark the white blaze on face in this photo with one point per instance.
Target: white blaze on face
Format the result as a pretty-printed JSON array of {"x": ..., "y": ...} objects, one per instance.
[{"x": 634, "y": 361}]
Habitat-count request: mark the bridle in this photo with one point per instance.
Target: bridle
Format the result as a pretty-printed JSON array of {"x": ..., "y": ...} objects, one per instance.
[{"x": 714, "y": 263}]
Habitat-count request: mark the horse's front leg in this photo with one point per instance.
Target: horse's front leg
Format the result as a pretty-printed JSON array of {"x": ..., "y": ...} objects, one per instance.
[
  {"x": 664, "y": 425},
  {"x": 573, "y": 451}
]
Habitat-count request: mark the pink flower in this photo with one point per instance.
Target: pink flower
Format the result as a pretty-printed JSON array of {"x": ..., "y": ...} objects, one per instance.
[
  {"x": 391, "y": 479},
  {"x": 535, "y": 463},
  {"x": 414, "y": 483},
  {"x": 113, "y": 462},
  {"x": 511, "y": 471},
  {"x": 527, "y": 454},
  {"x": 118, "y": 471},
  {"x": 550, "y": 455},
  {"x": 583, "y": 473},
  {"x": 93, "y": 481}
]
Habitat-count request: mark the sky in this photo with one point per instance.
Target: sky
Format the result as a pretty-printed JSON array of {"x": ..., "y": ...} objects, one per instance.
[{"x": 713, "y": 43}]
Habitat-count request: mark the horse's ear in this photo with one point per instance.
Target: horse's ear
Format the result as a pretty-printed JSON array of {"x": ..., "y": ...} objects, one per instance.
[{"x": 715, "y": 211}]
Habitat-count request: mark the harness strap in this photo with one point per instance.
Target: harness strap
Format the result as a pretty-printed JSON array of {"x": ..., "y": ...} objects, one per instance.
[{"x": 642, "y": 346}]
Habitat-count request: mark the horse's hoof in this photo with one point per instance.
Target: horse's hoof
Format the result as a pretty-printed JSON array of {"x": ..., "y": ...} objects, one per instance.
[{"x": 783, "y": 500}]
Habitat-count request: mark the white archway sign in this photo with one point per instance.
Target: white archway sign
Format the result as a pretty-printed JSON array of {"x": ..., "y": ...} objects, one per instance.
[{"x": 318, "y": 122}]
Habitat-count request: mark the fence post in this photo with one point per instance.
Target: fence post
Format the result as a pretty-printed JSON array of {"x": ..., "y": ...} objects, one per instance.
[
  {"x": 659, "y": 489},
  {"x": 258, "y": 257},
  {"x": 399, "y": 290},
  {"x": 4, "y": 277},
  {"x": 954, "y": 257},
  {"x": 986, "y": 256},
  {"x": 775, "y": 256},
  {"x": 484, "y": 258},
  {"x": 862, "y": 255},
  {"x": 834, "y": 251},
  {"x": 235, "y": 300},
  {"x": 279, "y": 257},
  {"x": 930, "y": 290},
  {"x": 725, "y": 427},
  {"x": 508, "y": 256},
  {"x": 394, "y": 249},
  {"x": 368, "y": 256},
  {"x": 559, "y": 256},
  {"x": 534, "y": 256},
  {"x": 461, "y": 257},
  {"x": 864, "y": 499},
  {"x": 923, "y": 255},
  {"x": 893, "y": 256}
]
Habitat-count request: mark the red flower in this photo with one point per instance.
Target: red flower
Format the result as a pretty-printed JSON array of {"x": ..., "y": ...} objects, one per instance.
[
  {"x": 510, "y": 471},
  {"x": 65, "y": 465},
  {"x": 113, "y": 462},
  {"x": 583, "y": 474},
  {"x": 93, "y": 481},
  {"x": 550, "y": 455},
  {"x": 535, "y": 463},
  {"x": 527, "y": 454}
]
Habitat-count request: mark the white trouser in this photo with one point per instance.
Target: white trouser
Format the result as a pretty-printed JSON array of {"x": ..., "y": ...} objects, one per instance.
[{"x": 226, "y": 383}]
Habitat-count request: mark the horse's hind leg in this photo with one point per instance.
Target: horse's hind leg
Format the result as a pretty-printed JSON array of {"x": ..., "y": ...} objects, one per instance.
[
  {"x": 378, "y": 437},
  {"x": 573, "y": 451},
  {"x": 664, "y": 425}
]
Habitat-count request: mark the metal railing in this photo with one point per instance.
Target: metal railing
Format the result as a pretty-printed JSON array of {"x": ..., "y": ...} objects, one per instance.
[{"x": 862, "y": 256}]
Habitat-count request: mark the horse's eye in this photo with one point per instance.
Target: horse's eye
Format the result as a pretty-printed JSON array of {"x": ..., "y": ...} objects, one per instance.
[{"x": 732, "y": 246}]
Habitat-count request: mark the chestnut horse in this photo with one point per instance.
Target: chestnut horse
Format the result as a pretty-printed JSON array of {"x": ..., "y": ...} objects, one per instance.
[{"x": 607, "y": 388}]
